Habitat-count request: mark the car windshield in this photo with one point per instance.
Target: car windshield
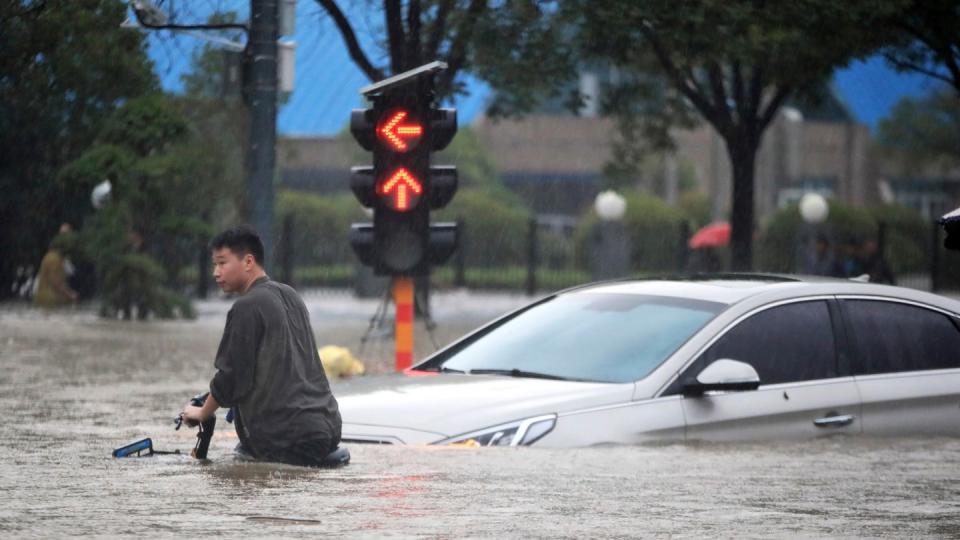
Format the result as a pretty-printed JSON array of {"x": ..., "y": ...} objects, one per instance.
[{"x": 586, "y": 336}]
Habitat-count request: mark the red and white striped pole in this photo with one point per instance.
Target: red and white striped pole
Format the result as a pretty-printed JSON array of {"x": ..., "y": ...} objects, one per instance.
[{"x": 403, "y": 299}]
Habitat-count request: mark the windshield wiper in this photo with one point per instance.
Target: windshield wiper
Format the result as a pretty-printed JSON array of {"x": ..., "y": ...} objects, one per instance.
[
  {"x": 445, "y": 369},
  {"x": 516, "y": 373}
]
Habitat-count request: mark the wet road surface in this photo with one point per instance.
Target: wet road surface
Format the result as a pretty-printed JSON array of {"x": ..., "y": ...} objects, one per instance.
[{"x": 74, "y": 387}]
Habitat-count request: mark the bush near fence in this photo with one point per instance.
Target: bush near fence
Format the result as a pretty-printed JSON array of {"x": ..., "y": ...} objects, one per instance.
[
  {"x": 495, "y": 228},
  {"x": 496, "y": 238},
  {"x": 908, "y": 238},
  {"x": 321, "y": 225},
  {"x": 653, "y": 227},
  {"x": 907, "y": 244}
]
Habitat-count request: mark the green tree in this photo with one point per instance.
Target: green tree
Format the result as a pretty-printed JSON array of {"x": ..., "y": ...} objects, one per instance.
[
  {"x": 926, "y": 40},
  {"x": 924, "y": 133},
  {"x": 157, "y": 213},
  {"x": 218, "y": 123},
  {"x": 65, "y": 66},
  {"x": 735, "y": 63}
]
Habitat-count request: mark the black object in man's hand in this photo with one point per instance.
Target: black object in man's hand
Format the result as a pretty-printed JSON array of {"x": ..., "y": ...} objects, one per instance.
[{"x": 205, "y": 432}]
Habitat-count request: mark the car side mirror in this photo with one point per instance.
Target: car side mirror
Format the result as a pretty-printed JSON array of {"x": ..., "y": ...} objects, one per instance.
[{"x": 724, "y": 375}]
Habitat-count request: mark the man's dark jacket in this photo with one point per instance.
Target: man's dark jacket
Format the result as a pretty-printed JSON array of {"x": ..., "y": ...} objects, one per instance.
[{"x": 269, "y": 371}]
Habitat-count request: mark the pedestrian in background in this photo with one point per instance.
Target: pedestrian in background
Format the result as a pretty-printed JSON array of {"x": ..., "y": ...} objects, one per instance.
[
  {"x": 820, "y": 261},
  {"x": 52, "y": 288},
  {"x": 875, "y": 264}
]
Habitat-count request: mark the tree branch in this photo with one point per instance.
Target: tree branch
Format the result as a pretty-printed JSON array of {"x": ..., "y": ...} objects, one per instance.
[
  {"x": 393, "y": 15},
  {"x": 743, "y": 108},
  {"x": 720, "y": 98},
  {"x": 766, "y": 116},
  {"x": 413, "y": 52},
  {"x": 225, "y": 26},
  {"x": 679, "y": 81},
  {"x": 458, "y": 48},
  {"x": 910, "y": 66},
  {"x": 350, "y": 39},
  {"x": 756, "y": 88},
  {"x": 940, "y": 45},
  {"x": 24, "y": 11},
  {"x": 438, "y": 29}
]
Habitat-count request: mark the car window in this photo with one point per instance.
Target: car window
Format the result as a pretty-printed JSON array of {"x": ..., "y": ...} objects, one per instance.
[
  {"x": 788, "y": 343},
  {"x": 890, "y": 337},
  {"x": 588, "y": 336}
]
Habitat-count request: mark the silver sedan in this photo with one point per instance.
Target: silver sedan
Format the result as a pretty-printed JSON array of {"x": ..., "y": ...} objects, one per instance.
[{"x": 738, "y": 358}]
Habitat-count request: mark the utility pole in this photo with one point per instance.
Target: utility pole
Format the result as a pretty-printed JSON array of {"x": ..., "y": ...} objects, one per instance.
[{"x": 261, "y": 101}]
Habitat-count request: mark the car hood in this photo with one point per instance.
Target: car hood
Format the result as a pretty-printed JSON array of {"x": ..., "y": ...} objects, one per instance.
[{"x": 408, "y": 409}]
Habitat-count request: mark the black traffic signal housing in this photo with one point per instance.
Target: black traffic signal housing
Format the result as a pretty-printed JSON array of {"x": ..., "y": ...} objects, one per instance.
[
  {"x": 951, "y": 225},
  {"x": 402, "y": 129}
]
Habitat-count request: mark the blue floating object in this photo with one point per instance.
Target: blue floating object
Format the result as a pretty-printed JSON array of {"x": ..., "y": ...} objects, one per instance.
[{"x": 144, "y": 445}]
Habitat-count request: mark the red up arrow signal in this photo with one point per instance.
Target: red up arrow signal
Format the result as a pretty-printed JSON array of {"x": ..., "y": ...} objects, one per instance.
[
  {"x": 402, "y": 190},
  {"x": 401, "y": 137}
]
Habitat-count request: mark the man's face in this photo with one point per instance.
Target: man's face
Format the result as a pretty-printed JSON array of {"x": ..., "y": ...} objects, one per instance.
[{"x": 231, "y": 271}]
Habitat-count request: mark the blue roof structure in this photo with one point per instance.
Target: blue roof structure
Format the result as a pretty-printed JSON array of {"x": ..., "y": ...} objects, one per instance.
[{"x": 327, "y": 81}]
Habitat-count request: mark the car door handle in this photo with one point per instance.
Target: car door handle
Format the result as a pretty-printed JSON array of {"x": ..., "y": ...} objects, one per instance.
[{"x": 834, "y": 420}]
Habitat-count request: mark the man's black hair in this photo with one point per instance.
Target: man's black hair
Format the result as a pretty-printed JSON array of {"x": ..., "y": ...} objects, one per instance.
[{"x": 241, "y": 240}]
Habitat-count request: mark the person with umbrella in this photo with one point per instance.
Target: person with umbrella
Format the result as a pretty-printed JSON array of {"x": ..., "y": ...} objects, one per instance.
[{"x": 706, "y": 244}]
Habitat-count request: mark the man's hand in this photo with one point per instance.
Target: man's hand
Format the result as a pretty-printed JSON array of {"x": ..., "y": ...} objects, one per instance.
[{"x": 193, "y": 415}]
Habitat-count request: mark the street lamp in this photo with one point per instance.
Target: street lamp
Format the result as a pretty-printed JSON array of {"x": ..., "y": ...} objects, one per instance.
[
  {"x": 610, "y": 247},
  {"x": 813, "y": 258}
]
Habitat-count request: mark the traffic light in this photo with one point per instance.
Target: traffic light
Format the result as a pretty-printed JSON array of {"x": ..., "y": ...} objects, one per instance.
[
  {"x": 402, "y": 129},
  {"x": 951, "y": 225}
]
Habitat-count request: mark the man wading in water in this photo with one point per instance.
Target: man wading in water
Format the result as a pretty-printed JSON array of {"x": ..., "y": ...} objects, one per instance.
[{"x": 268, "y": 369}]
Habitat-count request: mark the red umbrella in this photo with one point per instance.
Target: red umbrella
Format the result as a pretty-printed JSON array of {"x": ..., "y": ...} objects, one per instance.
[{"x": 713, "y": 235}]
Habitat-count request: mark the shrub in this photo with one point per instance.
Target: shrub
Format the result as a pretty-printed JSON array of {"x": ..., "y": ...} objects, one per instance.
[
  {"x": 778, "y": 245},
  {"x": 908, "y": 238},
  {"x": 495, "y": 230},
  {"x": 321, "y": 225},
  {"x": 653, "y": 228}
]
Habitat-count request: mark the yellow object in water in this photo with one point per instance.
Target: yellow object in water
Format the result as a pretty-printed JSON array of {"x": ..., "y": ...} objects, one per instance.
[{"x": 339, "y": 362}]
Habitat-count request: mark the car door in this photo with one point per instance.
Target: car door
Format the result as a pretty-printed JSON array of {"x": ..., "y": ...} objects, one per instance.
[
  {"x": 906, "y": 360},
  {"x": 804, "y": 390}
]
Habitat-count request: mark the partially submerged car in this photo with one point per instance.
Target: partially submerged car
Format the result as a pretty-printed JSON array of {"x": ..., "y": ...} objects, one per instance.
[{"x": 723, "y": 357}]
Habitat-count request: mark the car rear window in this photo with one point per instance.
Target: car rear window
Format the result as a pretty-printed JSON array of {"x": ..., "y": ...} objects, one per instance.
[
  {"x": 589, "y": 336},
  {"x": 891, "y": 337}
]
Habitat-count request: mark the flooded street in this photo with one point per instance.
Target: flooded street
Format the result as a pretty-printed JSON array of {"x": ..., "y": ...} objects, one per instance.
[{"x": 74, "y": 387}]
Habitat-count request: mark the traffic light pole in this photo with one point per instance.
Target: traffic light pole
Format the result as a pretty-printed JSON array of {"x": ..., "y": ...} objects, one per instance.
[
  {"x": 261, "y": 101},
  {"x": 403, "y": 299}
]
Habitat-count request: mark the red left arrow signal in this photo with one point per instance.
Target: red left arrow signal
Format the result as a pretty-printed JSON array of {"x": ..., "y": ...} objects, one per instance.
[
  {"x": 402, "y": 190},
  {"x": 398, "y": 135}
]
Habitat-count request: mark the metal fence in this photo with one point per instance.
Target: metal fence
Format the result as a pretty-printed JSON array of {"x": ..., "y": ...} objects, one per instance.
[{"x": 550, "y": 256}]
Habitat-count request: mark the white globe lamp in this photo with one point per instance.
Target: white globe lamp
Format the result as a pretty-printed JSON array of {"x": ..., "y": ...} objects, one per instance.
[
  {"x": 814, "y": 208},
  {"x": 610, "y": 205},
  {"x": 101, "y": 194}
]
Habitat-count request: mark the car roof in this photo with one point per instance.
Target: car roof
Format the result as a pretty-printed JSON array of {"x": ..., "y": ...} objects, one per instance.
[{"x": 732, "y": 288}]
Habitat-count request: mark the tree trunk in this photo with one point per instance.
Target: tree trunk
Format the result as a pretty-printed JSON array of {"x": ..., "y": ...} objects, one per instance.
[{"x": 743, "y": 156}]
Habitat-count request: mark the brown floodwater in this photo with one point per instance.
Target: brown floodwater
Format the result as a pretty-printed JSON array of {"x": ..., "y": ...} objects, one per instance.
[{"x": 73, "y": 387}]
